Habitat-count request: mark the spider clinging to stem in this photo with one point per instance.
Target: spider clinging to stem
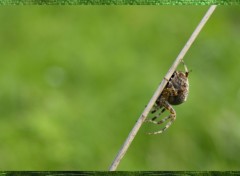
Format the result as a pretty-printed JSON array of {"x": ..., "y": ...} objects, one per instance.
[{"x": 175, "y": 93}]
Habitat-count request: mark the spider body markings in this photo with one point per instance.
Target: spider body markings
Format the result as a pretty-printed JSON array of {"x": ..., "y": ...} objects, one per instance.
[{"x": 175, "y": 93}]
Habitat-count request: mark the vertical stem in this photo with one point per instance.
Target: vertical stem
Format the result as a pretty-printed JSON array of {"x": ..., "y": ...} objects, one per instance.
[{"x": 160, "y": 88}]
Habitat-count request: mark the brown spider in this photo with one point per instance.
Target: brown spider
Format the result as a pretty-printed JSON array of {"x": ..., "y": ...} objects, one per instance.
[{"x": 175, "y": 93}]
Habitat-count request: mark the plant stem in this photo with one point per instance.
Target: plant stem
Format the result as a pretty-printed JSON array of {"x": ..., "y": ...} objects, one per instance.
[{"x": 159, "y": 90}]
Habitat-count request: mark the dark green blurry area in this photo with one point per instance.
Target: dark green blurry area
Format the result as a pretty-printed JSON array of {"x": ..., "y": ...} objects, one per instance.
[{"x": 74, "y": 80}]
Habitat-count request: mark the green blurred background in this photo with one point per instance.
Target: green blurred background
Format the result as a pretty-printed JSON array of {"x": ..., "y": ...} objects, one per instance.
[{"x": 74, "y": 80}]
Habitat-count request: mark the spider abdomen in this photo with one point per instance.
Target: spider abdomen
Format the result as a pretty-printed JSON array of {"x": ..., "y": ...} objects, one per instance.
[
  {"x": 179, "y": 82},
  {"x": 179, "y": 99}
]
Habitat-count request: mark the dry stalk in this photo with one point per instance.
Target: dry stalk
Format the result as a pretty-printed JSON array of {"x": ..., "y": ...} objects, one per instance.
[{"x": 159, "y": 90}]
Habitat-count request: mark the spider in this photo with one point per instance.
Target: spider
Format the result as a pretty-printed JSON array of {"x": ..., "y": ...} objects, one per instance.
[{"x": 175, "y": 93}]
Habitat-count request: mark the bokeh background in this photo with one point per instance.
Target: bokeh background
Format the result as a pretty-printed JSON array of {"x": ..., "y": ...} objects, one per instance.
[{"x": 74, "y": 80}]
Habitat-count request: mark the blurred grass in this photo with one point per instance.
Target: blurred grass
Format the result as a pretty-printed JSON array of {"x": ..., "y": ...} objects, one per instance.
[{"x": 74, "y": 80}]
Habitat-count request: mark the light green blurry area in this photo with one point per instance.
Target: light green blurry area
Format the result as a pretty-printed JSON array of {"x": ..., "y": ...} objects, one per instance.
[{"x": 74, "y": 80}]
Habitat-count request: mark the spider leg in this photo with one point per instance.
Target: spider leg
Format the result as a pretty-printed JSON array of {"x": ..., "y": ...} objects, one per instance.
[
  {"x": 159, "y": 122},
  {"x": 155, "y": 117},
  {"x": 186, "y": 69},
  {"x": 165, "y": 128},
  {"x": 158, "y": 115},
  {"x": 154, "y": 108},
  {"x": 172, "y": 117}
]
